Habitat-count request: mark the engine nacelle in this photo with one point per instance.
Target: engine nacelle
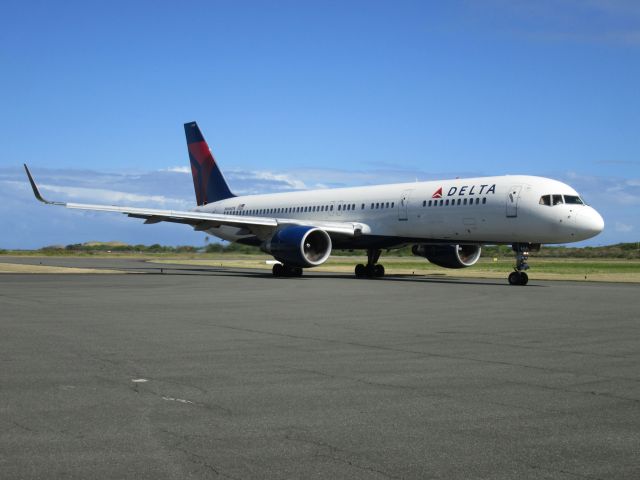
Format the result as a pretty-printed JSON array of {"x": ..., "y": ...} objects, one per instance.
[
  {"x": 299, "y": 246},
  {"x": 449, "y": 256}
]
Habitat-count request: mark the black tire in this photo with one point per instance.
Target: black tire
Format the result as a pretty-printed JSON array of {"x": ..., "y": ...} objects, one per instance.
[
  {"x": 278, "y": 270},
  {"x": 524, "y": 278},
  {"x": 514, "y": 278},
  {"x": 361, "y": 270},
  {"x": 378, "y": 270}
]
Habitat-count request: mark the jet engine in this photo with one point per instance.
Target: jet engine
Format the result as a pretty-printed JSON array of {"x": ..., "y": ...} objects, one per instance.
[
  {"x": 299, "y": 246},
  {"x": 448, "y": 256}
]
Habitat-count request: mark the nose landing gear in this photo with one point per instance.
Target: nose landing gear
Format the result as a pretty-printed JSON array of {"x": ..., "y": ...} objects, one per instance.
[
  {"x": 518, "y": 276},
  {"x": 372, "y": 268}
]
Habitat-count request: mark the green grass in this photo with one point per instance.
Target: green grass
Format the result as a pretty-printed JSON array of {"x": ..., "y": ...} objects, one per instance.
[{"x": 542, "y": 265}]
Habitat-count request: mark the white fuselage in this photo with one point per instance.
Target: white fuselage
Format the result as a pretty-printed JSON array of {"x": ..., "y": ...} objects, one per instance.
[{"x": 496, "y": 210}]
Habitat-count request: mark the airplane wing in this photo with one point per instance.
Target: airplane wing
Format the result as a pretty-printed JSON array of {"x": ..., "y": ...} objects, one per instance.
[{"x": 262, "y": 227}]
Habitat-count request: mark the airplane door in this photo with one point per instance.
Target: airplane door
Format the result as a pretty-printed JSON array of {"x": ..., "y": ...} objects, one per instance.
[
  {"x": 403, "y": 206},
  {"x": 512, "y": 200}
]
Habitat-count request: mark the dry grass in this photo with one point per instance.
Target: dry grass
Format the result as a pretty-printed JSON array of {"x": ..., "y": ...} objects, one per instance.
[{"x": 24, "y": 268}]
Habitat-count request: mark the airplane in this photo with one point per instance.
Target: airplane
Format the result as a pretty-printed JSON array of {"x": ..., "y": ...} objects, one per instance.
[{"x": 446, "y": 221}]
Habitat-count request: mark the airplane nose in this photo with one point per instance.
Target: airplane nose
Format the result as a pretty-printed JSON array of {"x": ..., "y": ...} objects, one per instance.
[{"x": 590, "y": 222}]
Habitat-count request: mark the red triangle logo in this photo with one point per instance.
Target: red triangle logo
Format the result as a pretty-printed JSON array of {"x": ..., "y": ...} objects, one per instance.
[{"x": 438, "y": 193}]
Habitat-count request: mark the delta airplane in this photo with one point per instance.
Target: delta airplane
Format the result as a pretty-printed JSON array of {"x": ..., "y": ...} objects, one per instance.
[{"x": 446, "y": 221}]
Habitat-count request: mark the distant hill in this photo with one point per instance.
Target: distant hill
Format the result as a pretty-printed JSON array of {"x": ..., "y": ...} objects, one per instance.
[{"x": 105, "y": 244}]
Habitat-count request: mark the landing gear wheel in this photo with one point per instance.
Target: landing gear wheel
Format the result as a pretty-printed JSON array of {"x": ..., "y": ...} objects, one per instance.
[
  {"x": 277, "y": 270},
  {"x": 518, "y": 278},
  {"x": 280, "y": 270},
  {"x": 372, "y": 268}
]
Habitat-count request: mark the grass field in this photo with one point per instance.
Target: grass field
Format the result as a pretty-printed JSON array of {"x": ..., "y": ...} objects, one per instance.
[
  {"x": 541, "y": 268},
  {"x": 580, "y": 269}
]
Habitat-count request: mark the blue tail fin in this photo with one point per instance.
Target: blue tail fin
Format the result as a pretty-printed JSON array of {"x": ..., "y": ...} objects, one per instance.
[{"x": 209, "y": 184}]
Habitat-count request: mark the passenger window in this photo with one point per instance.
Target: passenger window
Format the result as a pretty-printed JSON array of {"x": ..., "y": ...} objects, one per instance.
[
  {"x": 377, "y": 205},
  {"x": 441, "y": 202},
  {"x": 446, "y": 202},
  {"x": 392, "y": 204},
  {"x": 429, "y": 202},
  {"x": 464, "y": 202},
  {"x": 477, "y": 201},
  {"x": 331, "y": 208},
  {"x": 424, "y": 203},
  {"x": 459, "y": 201},
  {"x": 484, "y": 200},
  {"x": 362, "y": 207},
  {"x": 353, "y": 206},
  {"x": 545, "y": 200},
  {"x": 557, "y": 199},
  {"x": 387, "y": 205}
]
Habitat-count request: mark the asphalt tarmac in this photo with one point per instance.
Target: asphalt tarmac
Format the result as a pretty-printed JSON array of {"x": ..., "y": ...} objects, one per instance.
[{"x": 223, "y": 373}]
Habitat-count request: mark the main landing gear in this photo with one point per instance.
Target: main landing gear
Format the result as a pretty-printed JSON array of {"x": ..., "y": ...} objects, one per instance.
[
  {"x": 518, "y": 276},
  {"x": 282, "y": 270},
  {"x": 372, "y": 268}
]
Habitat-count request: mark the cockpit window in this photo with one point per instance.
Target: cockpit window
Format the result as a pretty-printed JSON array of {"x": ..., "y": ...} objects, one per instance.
[
  {"x": 557, "y": 199},
  {"x": 573, "y": 200},
  {"x": 545, "y": 200}
]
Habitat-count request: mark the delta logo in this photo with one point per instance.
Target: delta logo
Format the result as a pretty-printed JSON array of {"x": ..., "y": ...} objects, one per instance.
[{"x": 465, "y": 190}]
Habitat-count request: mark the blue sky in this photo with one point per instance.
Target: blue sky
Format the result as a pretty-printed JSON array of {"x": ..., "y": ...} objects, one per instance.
[{"x": 296, "y": 95}]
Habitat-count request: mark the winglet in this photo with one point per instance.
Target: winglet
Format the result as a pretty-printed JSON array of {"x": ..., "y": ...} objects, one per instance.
[{"x": 36, "y": 192}]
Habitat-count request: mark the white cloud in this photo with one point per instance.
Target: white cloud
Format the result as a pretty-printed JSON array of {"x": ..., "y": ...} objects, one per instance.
[
  {"x": 623, "y": 227},
  {"x": 565, "y": 21},
  {"x": 110, "y": 196},
  {"x": 177, "y": 170},
  {"x": 280, "y": 181}
]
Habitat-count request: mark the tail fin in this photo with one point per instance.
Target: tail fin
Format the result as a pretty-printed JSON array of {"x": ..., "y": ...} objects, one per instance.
[{"x": 208, "y": 181}]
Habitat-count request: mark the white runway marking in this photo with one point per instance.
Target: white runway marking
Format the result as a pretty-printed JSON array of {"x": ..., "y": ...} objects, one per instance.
[{"x": 181, "y": 400}]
